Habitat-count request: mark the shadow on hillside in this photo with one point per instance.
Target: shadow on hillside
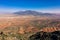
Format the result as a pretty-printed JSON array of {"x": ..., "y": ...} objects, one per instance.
[{"x": 45, "y": 36}]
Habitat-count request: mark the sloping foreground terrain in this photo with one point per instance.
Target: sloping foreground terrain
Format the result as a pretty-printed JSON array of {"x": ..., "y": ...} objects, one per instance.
[
  {"x": 45, "y": 36},
  {"x": 37, "y": 36}
]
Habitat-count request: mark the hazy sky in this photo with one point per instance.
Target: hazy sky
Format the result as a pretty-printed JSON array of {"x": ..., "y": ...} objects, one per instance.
[{"x": 52, "y": 6}]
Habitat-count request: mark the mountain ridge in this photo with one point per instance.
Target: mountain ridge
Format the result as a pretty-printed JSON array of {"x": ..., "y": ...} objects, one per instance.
[{"x": 30, "y": 12}]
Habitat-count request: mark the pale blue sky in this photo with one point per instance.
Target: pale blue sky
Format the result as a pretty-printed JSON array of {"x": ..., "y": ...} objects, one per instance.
[{"x": 52, "y": 6}]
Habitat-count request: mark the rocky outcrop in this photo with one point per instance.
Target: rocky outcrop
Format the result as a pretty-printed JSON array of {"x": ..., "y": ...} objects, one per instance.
[{"x": 50, "y": 29}]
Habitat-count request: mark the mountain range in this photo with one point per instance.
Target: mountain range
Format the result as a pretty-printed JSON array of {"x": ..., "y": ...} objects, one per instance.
[{"x": 30, "y": 12}]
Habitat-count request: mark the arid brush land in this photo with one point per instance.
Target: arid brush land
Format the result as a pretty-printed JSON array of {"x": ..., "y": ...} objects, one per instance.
[{"x": 29, "y": 25}]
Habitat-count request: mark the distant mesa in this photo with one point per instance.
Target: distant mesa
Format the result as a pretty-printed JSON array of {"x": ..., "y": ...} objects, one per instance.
[{"x": 30, "y": 12}]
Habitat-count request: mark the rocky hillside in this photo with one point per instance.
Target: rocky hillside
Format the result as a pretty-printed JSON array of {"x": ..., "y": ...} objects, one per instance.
[{"x": 45, "y": 36}]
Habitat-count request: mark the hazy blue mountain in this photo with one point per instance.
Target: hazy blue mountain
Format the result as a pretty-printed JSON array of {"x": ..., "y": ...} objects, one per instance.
[{"x": 29, "y": 12}]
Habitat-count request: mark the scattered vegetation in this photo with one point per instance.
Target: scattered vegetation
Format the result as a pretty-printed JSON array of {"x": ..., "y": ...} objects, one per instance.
[
  {"x": 29, "y": 29},
  {"x": 46, "y": 36}
]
